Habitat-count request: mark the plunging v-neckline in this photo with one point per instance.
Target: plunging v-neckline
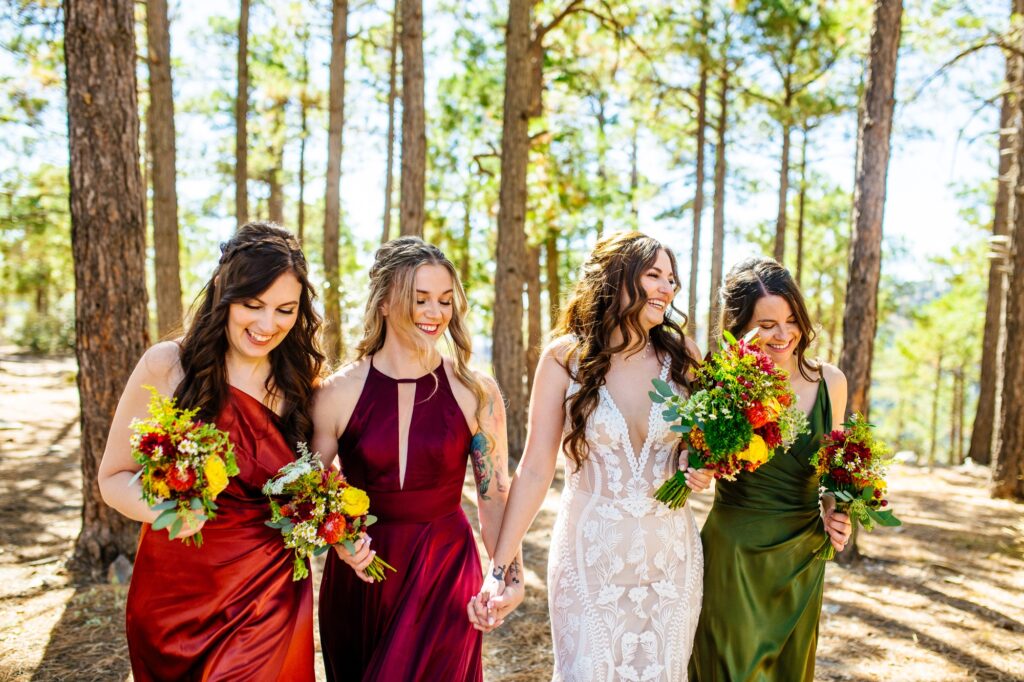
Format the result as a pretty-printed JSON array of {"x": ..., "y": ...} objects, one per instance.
[{"x": 636, "y": 462}]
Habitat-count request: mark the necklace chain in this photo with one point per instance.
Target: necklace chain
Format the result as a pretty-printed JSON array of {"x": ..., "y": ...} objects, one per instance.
[{"x": 642, "y": 355}]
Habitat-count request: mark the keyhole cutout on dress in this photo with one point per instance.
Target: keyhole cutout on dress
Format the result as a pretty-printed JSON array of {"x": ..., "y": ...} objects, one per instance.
[{"x": 406, "y": 401}]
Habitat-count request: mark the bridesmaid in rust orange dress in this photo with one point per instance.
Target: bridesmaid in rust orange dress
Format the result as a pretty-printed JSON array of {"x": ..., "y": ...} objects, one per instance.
[
  {"x": 404, "y": 421},
  {"x": 227, "y": 610}
]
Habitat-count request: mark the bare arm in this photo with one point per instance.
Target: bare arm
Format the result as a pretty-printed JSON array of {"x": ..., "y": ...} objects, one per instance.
[
  {"x": 490, "y": 465},
  {"x": 533, "y": 477},
  {"x": 159, "y": 367},
  {"x": 837, "y": 524}
]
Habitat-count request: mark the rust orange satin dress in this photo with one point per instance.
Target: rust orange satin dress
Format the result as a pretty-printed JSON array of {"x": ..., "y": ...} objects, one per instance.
[
  {"x": 412, "y": 627},
  {"x": 228, "y": 610}
]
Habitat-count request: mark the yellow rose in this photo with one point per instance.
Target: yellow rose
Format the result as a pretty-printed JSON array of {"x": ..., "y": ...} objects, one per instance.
[
  {"x": 216, "y": 475},
  {"x": 354, "y": 502},
  {"x": 756, "y": 452},
  {"x": 773, "y": 407}
]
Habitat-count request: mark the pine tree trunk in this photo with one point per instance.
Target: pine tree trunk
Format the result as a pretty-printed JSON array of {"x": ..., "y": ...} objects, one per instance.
[
  {"x": 241, "y": 114},
  {"x": 861, "y": 314},
  {"x": 934, "y": 429},
  {"x": 801, "y": 200},
  {"x": 779, "y": 251},
  {"x": 467, "y": 233},
  {"x": 332, "y": 202},
  {"x": 698, "y": 200},
  {"x": 160, "y": 125},
  {"x": 389, "y": 177},
  {"x": 108, "y": 242},
  {"x": 300, "y": 227},
  {"x": 414, "y": 137},
  {"x": 986, "y": 417},
  {"x": 533, "y": 314},
  {"x": 718, "y": 229},
  {"x": 510, "y": 271},
  {"x": 1008, "y": 473},
  {"x": 553, "y": 281}
]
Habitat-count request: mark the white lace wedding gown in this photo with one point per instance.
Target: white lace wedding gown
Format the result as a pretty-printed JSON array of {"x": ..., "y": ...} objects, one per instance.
[{"x": 625, "y": 573}]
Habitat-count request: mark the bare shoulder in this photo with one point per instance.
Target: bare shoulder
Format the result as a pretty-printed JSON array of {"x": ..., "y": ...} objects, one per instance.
[
  {"x": 693, "y": 349},
  {"x": 335, "y": 398},
  {"x": 834, "y": 378},
  {"x": 160, "y": 366},
  {"x": 347, "y": 377},
  {"x": 558, "y": 349}
]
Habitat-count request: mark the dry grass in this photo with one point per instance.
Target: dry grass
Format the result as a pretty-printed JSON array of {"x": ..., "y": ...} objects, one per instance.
[{"x": 940, "y": 599}]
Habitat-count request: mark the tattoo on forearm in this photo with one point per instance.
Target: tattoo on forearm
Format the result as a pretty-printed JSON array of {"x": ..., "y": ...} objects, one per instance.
[
  {"x": 483, "y": 467},
  {"x": 498, "y": 572},
  {"x": 514, "y": 571}
]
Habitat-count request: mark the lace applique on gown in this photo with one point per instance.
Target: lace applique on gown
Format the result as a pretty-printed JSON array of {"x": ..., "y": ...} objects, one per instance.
[{"x": 625, "y": 571}]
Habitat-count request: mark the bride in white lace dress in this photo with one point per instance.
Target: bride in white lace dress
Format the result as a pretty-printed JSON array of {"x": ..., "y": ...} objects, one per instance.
[{"x": 624, "y": 572}]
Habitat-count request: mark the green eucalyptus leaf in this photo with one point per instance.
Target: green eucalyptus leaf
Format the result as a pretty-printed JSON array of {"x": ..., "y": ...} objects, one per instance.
[{"x": 165, "y": 519}]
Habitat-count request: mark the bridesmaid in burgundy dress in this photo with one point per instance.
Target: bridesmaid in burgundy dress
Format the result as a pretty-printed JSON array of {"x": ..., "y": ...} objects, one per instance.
[
  {"x": 404, "y": 420},
  {"x": 227, "y": 610}
]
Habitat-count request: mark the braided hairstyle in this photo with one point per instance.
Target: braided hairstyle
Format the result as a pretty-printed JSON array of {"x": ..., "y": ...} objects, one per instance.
[{"x": 250, "y": 262}]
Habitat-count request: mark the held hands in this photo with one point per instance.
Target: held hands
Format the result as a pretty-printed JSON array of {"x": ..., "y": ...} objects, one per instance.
[
  {"x": 191, "y": 524},
  {"x": 497, "y": 599},
  {"x": 697, "y": 480},
  {"x": 361, "y": 559}
]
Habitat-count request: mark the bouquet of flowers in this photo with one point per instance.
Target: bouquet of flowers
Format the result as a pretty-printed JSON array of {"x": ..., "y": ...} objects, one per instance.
[
  {"x": 851, "y": 465},
  {"x": 742, "y": 409},
  {"x": 315, "y": 508},
  {"x": 185, "y": 464}
]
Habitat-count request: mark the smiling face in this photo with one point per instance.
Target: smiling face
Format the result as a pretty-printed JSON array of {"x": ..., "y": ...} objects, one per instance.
[
  {"x": 433, "y": 303},
  {"x": 658, "y": 285},
  {"x": 778, "y": 328},
  {"x": 258, "y": 325}
]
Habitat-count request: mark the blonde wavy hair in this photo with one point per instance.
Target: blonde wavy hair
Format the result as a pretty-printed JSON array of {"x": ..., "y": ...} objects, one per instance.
[{"x": 393, "y": 283}]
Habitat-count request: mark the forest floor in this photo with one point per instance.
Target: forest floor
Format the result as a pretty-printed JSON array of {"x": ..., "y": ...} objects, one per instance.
[{"x": 939, "y": 599}]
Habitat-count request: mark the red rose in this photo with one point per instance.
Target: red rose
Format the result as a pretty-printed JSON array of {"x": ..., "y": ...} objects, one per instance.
[
  {"x": 332, "y": 530},
  {"x": 181, "y": 480}
]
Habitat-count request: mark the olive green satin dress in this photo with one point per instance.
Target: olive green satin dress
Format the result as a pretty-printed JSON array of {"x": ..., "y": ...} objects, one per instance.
[{"x": 762, "y": 584}]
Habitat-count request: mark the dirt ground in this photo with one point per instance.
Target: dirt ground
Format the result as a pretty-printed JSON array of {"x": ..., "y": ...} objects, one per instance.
[{"x": 939, "y": 599}]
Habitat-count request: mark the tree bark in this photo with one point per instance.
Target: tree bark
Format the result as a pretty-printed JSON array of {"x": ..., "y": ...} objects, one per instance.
[
  {"x": 986, "y": 417},
  {"x": 300, "y": 227},
  {"x": 533, "y": 315},
  {"x": 934, "y": 429},
  {"x": 414, "y": 137},
  {"x": 160, "y": 125},
  {"x": 389, "y": 177},
  {"x": 779, "y": 252},
  {"x": 801, "y": 200},
  {"x": 509, "y": 356},
  {"x": 718, "y": 229},
  {"x": 241, "y": 114},
  {"x": 332, "y": 202},
  {"x": 861, "y": 314},
  {"x": 553, "y": 281},
  {"x": 698, "y": 199},
  {"x": 1008, "y": 473},
  {"x": 108, "y": 243}
]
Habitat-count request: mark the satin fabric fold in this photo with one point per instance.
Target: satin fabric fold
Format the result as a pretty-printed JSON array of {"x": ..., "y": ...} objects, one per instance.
[
  {"x": 762, "y": 585},
  {"x": 228, "y": 610},
  {"x": 413, "y": 626}
]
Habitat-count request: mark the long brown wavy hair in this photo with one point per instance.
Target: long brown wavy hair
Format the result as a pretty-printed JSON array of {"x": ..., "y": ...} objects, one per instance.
[
  {"x": 393, "y": 282},
  {"x": 596, "y": 309},
  {"x": 751, "y": 280},
  {"x": 250, "y": 261}
]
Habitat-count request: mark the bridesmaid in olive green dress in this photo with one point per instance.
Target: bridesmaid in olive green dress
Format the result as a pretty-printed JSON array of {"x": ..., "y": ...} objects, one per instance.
[{"x": 762, "y": 584}]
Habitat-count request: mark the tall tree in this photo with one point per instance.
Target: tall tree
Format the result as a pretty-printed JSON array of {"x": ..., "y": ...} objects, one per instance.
[
  {"x": 698, "y": 193},
  {"x": 986, "y": 417},
  {"x": 861, "y": 315},
  {"x": 160, "y": 129},
  {"x": 718, "y": 228},
  {"x": 533, "y": 312},
  {"x": 389, "y": 173},
  {"x": 510, "y": 259},
  {"x": 241, "y": 116},
  {"x": 108, "y": 241},
  {"x": 304, "y": 102},
  {"x": 332, "y": 202},
  {"x": 414, "y": 136},
  {"x": 1008, "y": 470}
]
